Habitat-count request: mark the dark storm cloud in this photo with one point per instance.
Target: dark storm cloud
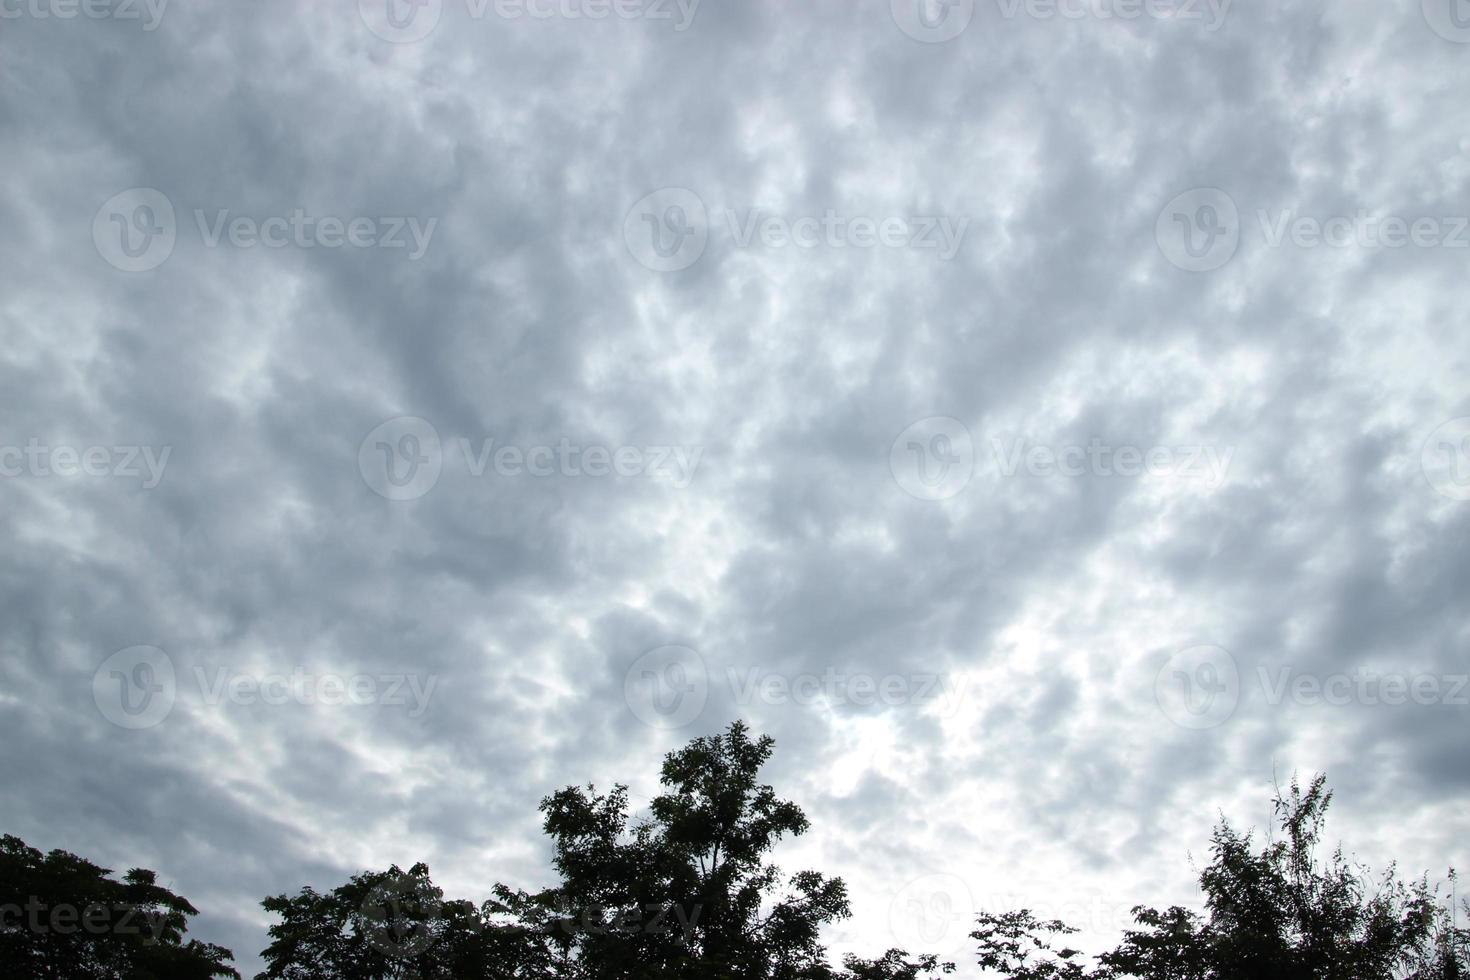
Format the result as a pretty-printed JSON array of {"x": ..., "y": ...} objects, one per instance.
[{"x": 1046, "y": 605}]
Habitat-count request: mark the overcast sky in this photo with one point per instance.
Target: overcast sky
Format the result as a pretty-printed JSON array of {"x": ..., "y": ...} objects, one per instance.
[{"x": 1049, "y": 423}]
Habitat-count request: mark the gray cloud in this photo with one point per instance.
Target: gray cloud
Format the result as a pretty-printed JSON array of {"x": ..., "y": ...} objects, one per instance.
[{"x": 1052, "y": 601}]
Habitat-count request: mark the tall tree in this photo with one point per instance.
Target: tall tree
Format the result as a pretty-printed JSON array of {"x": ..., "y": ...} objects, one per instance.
[
  {"x": 1280, "y": 912},
  {"x": 686, "y": 892},
  {"x": 64, "y": 917},
  {"x": 1285, "y": 911}
]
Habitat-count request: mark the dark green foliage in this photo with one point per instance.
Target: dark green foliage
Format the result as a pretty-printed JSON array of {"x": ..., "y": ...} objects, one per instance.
[
  {"x": 396, "y": 924},
  {"x": 1278, "y": 913},
  {"x": 689, "y": 892},
  {"x": 1285, "y": 912},
  {"x": 1014, "y": 944},
  {"x": 63, "y": 917},
  {"x": 686, "y": 893},
  {"x": 893, "y": 965}
]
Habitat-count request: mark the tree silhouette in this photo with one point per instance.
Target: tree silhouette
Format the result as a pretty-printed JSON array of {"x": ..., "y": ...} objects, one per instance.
[
  {"x": 63, "y": 917},
  {"x": 1010, "y": 940},
  {"x": 687, "y": 891},
  {"x": 684, "y": 893},
  {"x": 396, "y": 925},
  {"x": 1278, "y": 913}
]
